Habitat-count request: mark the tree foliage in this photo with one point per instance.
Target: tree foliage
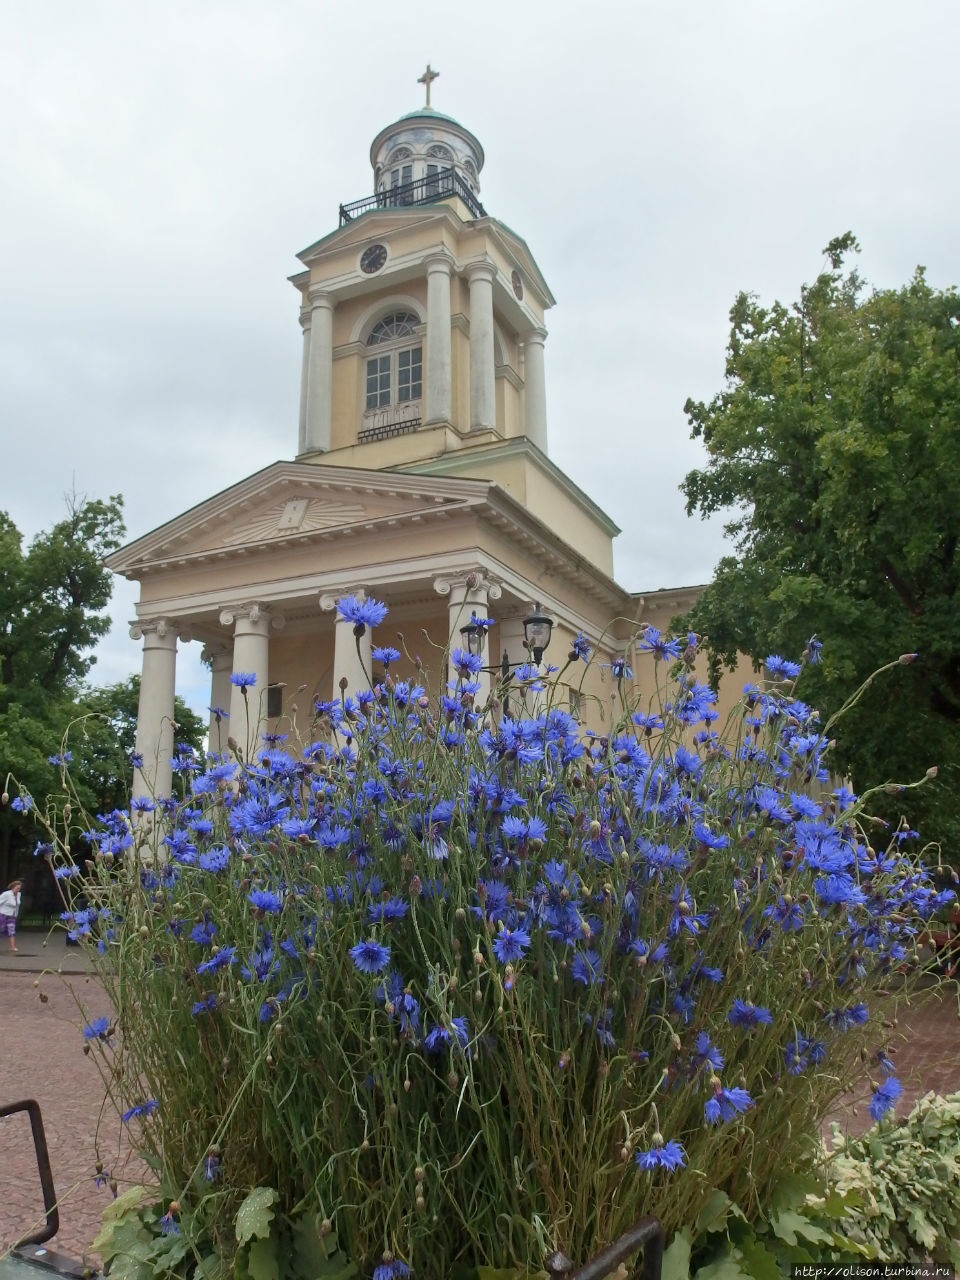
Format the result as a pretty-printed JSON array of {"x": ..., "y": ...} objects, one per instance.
[
  {"x": 53, "y": 597},
  {"x": 836, "y": 442}
]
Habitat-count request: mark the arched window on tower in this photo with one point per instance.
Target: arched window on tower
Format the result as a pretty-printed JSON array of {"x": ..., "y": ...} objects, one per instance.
[{"x": 394, "y": 376}]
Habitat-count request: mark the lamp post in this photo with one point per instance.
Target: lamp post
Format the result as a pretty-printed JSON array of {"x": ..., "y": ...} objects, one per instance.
[{"x": 537, "y": 630}]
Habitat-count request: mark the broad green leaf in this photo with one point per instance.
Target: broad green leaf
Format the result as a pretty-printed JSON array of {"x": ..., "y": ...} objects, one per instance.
[
  {"x": 127, "y": 1200},
  {"x": 758, "y": 1260},
  {"x": 676, "y": 1257},
  {"x": 262, "y": 1260},
  {"x": 715, "y": 1213},
  {"x": 792, "y": 1189},
  {"x": 728, "y": 1267},
  {"x": 255, "y": 1214},
  {"x": 791, "y": 1226},
  {"x": 310, "y": 1249},
  {"x": 128, "y": 1239},
  {"x": 921, "y": 1229},
  {"x": 129, "y": 1268}
]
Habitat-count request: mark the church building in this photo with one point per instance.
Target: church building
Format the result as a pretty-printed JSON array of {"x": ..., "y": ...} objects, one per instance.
[{"x": 422, "y": 475}]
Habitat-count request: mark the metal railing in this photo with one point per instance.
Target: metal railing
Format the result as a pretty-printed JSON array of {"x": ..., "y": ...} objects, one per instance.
[
  {"x": 386, "y": 430},
  {"x": 647, "y": 1235},
  {"x": 435, "y": 186}
]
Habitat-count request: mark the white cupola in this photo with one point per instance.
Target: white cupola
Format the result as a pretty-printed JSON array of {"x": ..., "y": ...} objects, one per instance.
[{"x": 425, "y": 155}]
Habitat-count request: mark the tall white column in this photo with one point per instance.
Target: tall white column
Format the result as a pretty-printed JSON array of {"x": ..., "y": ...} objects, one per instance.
[
  {"x": 220, "y": 658},
  {"x": 251, "y": 656},
  {"x": 347, "y": 663},
  {"x": 304, "y": 380},
  {"x": 536, "y": 388},
  {"x": 320, "y": 377},
  {"x": 438, "y": 390},
  {"x": 483, "y": 378},
  {"x": 469, "y": 595},
  {"x": 155, "y": 712}
]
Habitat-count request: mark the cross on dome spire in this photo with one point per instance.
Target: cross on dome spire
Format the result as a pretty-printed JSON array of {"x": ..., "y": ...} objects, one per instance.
[{"x": 427, "y": 79}]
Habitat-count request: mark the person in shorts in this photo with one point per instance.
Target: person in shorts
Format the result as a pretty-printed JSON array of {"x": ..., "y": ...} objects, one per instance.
[{"x": 9, "y": 910}]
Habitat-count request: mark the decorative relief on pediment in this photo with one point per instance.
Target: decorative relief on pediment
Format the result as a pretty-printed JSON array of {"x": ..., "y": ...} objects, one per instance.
[{"x": 298, "y": 515}]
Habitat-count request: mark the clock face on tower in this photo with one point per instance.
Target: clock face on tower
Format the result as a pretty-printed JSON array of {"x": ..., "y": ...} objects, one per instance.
[{"x": 373, "y": 258}]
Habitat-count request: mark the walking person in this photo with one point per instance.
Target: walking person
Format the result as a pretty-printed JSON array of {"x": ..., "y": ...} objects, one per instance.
[{"x": 9, "y": 910}]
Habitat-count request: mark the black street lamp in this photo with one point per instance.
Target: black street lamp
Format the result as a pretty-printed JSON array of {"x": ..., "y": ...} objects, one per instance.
[{"x": 537, "y": 630}]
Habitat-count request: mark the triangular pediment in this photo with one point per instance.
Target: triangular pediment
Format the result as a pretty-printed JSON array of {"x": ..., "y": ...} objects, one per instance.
[
  {"x": 294, "y": 502},
  {"x": 376, "y": 224}
]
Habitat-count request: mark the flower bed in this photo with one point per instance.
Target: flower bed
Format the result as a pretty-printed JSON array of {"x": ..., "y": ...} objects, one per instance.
[{"x": 449, "y": 988}]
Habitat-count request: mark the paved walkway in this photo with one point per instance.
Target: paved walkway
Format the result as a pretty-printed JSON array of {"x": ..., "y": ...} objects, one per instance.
[{"x": 41, "y": 1056}]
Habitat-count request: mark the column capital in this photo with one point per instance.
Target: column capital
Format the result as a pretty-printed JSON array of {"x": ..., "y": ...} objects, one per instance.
[
  {"x": 305, "y": 315},
  {"x": 535, "y": 336},
  {"x": 163, "y": 631},
  {"x": 440, "y": 262},
  {"x": 253, "y": 616},
  {"x": 485, "y": 269},
  {"x": 474, "y": 580},
  {"x": 320, "y": 296},
  {"x": 328, "y": 601},
  {"x": 218, "y": 655}
]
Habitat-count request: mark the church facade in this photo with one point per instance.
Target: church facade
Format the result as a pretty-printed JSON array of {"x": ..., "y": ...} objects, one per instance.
[{"x": 422, "y": 476}]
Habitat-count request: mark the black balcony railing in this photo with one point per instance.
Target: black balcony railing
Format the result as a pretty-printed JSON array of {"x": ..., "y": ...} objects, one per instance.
[
  {"x": 384, "y": 427},
  {"x": 435, "y": 186}
]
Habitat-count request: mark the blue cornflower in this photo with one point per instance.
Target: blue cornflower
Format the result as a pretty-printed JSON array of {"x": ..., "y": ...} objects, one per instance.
[
  {"x": 370, "y": 956},
  {"x": 812, "y": 650},
  {"x": 844, "y": 1019},
  {"x": 362, "y": 613},
  {"x": 708, "y": 838},
  {"x": 845, "y": 797},
  {"x": 168, "y": 1224},
  {"x": 885, "y": 1097},
  {"x": 580, "y": 649},
  {"x": 101, "y": 1177},
  {"x": 66, "y": 873},
  {"x": 620, "y": 669},
  {"x": 510, "y": 944},
  {"x": 662, "y": 648},
  {"x": 385, "y": 654},
  {"x": 63, "y": 758},
  {"x": 223, "y": 957},
  {"x": 586, "y": 968},
  {"x": 685, "y": 761},
  {"x": 437, "y": 1037},
  {"x": 647, "y": 721},
  {"x": 22, "y": 804},
  {"x": 390, "y": 909},
  {"x": 140, "y": 1109},
  {"x": 207, "y": 1004},
  {"x": 243, "y": 679},
  {"x": 265, "y": 900},
  {"x": 787, "y": 912},
  {"x": 214, "y": 859},
  {"x": 779, "y": 668},
  {"x": 97, "y": 1029},
  {"x": 466, "y": 663},
  {"x": 706, "y": 1053},
  {"x": 212, "y": 1169},
  {"x": 395, "y": 1269},
  {"x": 668, "y": 1155},
  {"x": 746, "y": 1014},
  {"x": 726, "y": 1104}
]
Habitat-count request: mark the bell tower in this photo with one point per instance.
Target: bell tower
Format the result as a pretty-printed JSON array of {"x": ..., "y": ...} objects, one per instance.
[{"x": 422, "y": 315}]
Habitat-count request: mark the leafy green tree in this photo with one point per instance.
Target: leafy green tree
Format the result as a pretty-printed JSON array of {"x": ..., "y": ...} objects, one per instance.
[
  {"x": 52, "y": 601},
  {"x": 102, "y": 739},
  {"x": 836, "y": 442}
]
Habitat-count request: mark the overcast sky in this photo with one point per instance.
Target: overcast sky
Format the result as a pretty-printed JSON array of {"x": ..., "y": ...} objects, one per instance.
[{"x": 162, "y": 163}]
